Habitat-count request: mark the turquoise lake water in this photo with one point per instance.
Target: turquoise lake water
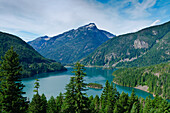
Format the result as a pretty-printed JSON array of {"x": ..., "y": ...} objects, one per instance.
[{"x": 51, "y": 84}]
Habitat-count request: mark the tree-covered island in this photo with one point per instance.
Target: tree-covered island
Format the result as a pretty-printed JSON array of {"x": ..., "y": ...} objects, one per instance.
[{"x": 94, "y": 85}]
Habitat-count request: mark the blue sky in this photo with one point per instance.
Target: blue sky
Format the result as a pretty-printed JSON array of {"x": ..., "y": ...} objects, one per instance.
[{"x": 30, "y": 19}]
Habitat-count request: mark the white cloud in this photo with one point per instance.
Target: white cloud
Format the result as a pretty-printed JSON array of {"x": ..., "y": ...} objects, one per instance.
[
  {"x": 44, "y": 17},
  {"x": 155, "y": 22}
]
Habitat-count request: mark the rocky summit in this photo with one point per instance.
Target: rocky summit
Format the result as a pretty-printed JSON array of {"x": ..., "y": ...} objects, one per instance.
[{"x": 72, "y": 45}]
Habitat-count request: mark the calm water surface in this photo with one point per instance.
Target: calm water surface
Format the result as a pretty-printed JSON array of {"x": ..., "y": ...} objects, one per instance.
[{"x": 51, "y": 84}]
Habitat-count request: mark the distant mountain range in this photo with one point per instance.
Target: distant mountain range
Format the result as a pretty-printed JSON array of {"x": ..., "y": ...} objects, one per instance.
[
  {"x": 31, "y": 61},
  {"x": 72, "y": 45},
  {"x": 143, "y": 48}
]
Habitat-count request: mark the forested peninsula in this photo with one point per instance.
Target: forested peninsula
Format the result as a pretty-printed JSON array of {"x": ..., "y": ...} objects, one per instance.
[{"x": 154, "y": 79}]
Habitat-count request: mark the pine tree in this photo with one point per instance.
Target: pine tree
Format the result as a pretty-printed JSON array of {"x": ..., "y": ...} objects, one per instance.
[
  {"x": 104, "y": 96},
  {"x": 36, "y": 103},
  {"x": 43, "y": 103},
  {"x": 96, "y": 103},
  {"x": 147, "y": 106},
  {"x": 91, "y": 105},
  {"x": 132, "y": 100},
  {"x": 80, "y": 86},
  {"x": 59, "y": 102},
  {"x": 51, "y": 107},
  {"x": 122, "y": 103},
  {"x": 135, "y": 108},
  {"x": 110, "y": 99},
  {"x": 11, "y": 86},
  {"x": 37, "y": 85},
  {"x": 69, "y": 101}
]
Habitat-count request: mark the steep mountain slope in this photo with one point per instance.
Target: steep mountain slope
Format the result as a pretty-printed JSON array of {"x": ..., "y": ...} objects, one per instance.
[
  {"x": 145, "y": 47},
  {"x": 31, "y": 61},
  {"x": 155, "y": 78},
  {"x": 72, "y": 45}
]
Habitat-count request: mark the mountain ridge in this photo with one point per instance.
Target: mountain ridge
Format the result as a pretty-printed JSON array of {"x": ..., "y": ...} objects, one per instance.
[
  {"x": 71, "y": 45},
  {"x": 31, "y": 61},
  {"x": 122, "y": 49}
]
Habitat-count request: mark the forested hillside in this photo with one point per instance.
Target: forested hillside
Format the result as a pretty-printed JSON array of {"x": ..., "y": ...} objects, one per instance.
[
  {"x": 143, "y": 48},
  {"x": 72, "y": 45},
  {"x": 31, "y": 61},
  {"x": 156, "y": 77}
]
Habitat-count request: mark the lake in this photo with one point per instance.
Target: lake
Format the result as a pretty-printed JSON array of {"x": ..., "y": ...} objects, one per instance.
[{"x": 51, "y": 84}]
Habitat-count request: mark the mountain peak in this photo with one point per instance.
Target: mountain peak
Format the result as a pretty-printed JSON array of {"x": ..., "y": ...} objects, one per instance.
[
  {"x": 45, "y": 37},
  {"x": 90, "y": 25}
]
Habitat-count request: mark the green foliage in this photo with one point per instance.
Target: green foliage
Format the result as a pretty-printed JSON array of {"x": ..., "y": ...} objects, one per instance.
[
  {"x": 156, "y": 77},
  {"x": 44, "y": 103},
  {"x": 74, "y": 100},
  {"x": 31, "y": 61},
  {"x": 11, "y": 94},
  {"x": 37, "y": 85},
  {"x": 80, "y": 86},
  {"x": 94, "y": 85},
  {"x": 59, "y": 102},
  {"x": 36, "y": 105},
  {"x": 52, "y": 107},
  {"x": 148, "y": 46},
  {"x": 69, "y": 101}
]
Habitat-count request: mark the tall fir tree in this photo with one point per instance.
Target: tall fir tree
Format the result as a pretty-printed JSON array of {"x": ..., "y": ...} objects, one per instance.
[
  {"x": 69, "y": 101},
  {"x": 59, "y": 102},
  {"x": 80, "y": 88},
  {"x": 132, "y": 100},
  {"x": 110, "y": 99},
  {"x": 36, "y": 103},
  {"x": 11, "y": 87},
  {"x": 104, "y": 96},
  {"x": 96, "y": 103},
  {"x": 51, "y": 107},
  {"x": 43, "y": 103}
]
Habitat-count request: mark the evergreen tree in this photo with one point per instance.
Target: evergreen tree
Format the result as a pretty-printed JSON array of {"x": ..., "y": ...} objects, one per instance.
[
  {"x": 51, "y": 107},
  {"x": 80, "y": 87},
  {"x": 11, "y": 87},
  {"x": 132, "y": 100},
  {"x": 135, "y": 108},
  {"x": 122, "y": 103},
  {"x": 35, "y": 105},
  {"x": 148, "y": 105},
  {"x": 43, "y": 103},
  {"x": 37, "y": 85},
  {"x": 104, "y": 96},
  {"x": 59, "y": 102},
  {"x": 69, "y": 101},
  {"x": 110, "y": 99},
  {"x": 91, "y": 104},
  {"x": 38, "y": 103},
  {"x": 96, "y": 103}
]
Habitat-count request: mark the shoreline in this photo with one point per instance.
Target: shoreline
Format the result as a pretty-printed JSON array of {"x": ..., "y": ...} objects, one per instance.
[{"x": 140, "y": 87}]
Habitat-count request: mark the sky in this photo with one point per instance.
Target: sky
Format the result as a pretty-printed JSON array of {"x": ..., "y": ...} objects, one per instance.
[{"x": 30, "y": 19}]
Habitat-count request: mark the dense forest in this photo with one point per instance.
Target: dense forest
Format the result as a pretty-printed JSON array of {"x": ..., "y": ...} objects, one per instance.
[
  {"x": 74, "y": 100},
  {"x": 156, "y": 77},
  {"x": 31, "y": 61}
]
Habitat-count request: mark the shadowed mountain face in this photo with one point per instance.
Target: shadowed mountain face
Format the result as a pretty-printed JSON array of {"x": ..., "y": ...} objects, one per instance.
[
  {"x": 143, "y": 48},
  {"x": 31, "y": 61},
  {"x": 72, "y": 45}
]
